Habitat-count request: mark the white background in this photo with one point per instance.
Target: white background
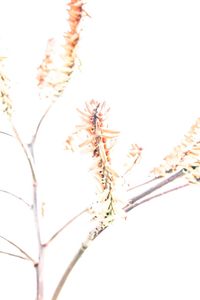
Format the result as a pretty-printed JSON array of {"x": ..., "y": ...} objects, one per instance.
[{"x": 142, "y": 57}]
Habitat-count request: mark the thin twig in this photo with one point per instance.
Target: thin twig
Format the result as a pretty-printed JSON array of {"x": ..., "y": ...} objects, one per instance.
[
  {"x": 64, "y": 226},
  {"x": 142, "y": 184},
  {"x": 12, "y": 254},
  {"x": 19, "y": 248},
  {"x": 155, "y": 196},
  {"x": 17, "y": 197},
  {"x": 41, "y": 120},
  {"x": 6, "y": 133},
  {"x": 154, "y": 188}
]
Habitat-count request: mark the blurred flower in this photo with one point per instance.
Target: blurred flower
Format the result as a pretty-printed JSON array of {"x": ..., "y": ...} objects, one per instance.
[{"x": 58, "y": 63}]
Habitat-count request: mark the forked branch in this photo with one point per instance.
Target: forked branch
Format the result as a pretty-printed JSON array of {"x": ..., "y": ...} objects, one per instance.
[
  {"x": 135, "y": 204},
  {"x": 14, "y": 255},
  {"x": 154, "y": 188},
  {"x": 65, "y": 226},
  {"x": 19, "y": 248}
]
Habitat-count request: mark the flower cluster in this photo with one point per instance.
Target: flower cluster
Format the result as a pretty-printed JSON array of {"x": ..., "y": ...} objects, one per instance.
[
  {"x": 58, "y": 64},
  {"x": 6, "y": 105},
  {"x": 185, "y": 156},
  {"x": 99, "y": 141}
]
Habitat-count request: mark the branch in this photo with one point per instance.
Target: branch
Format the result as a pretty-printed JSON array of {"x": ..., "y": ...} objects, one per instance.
[
  {"x": 19, "y": 248},
  {"x": 142, "y": 184},
  {"x": 6, "y": 133},
  {"x": 155, "y": 196},
  {"x": 41, "y": 121},
  {"x": 64, "y": 226},
  {"x": 12, "y": 254},
  {"x": 17, "y": 197},
  {"x": 154, "y": 188},
  {"x": 68, "y": 271},
  {"x": 91, "y": 237}
]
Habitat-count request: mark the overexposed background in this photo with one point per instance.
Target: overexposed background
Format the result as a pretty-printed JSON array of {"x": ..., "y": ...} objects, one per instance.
[{"x": 142, "y": 58}]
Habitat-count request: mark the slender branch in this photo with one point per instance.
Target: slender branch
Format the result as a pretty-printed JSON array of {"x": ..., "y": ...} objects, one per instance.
[
  {"x": 17, "y": 197},
  {"x": 68, "y": 271},
  {"x": 91, "y": 237},
  {"x": 154, "y": 188},
  {"x": 41, "y": 121},
  {"x": 64, "y": 226},
  {"x": 12, "y": 254},
  {"x": 19, "y": 248},
  {"x": 155, "y": 196},
  {"x": 6, "y": 133},
  {"x": 142, "y": 184}
]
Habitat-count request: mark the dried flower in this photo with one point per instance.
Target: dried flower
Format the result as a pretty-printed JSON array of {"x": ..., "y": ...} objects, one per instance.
[
  {"x": 99, "y": 140},
  {"x": 58, "y": 64},
  {"x": 6, "y": 105}
]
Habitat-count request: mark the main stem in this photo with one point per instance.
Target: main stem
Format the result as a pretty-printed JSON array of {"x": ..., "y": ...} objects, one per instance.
[{"x": 38, "y": 266}]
